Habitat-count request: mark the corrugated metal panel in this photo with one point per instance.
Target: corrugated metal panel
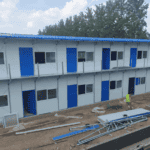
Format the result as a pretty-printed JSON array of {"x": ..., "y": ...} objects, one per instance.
[
  {"x": 72, "y": 96},
  {"x": 119, "y": 115},
  {"x": 105, "y": 91},
  {"x": 26, "y": 61},
  {"x": 70, "y": 38}
]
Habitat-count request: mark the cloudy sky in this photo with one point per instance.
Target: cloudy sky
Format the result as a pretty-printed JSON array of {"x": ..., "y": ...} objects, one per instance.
[{"x": 28, "y": 16}]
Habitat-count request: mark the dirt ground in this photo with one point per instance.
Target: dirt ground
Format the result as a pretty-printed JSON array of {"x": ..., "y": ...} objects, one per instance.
[{"x": 42, "y": 140}]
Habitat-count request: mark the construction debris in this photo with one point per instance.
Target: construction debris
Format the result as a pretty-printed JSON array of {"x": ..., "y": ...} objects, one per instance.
[
  {"x": 95, "y": 110},
  {"x": 48, "y": 128},
  {"x": 67, "y": 116}
]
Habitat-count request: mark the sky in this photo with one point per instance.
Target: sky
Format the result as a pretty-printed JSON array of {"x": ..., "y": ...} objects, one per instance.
[{"x": 28, "y": 16}]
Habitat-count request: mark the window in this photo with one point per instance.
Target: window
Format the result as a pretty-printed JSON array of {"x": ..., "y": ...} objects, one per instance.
[
  {"x": 143, "y": 80},
  {"x": 139, "y": 55},
  {"x": 50, "y": 57},
  {"x": 1, "y": 58},
  {"x": 51, "y": 93},
  {"x": 81, "y": 89},
  {"x": 137, "y": 81},
  {"x": 42, "y": 95},
  {"x": 119, "y": 84},
  {"x": 120, "y": 55},
  {"x": 3, "y": 101},
  {"x": 89, "y": 56},
  {"x": 112, "y": 84},
  {"x": 89, "y": 88},
  {"x": 81, "y": 56},
  {"x": 144, "y": 54},
  {"x": 113, "y": 55},
  {"x": 39, "y": 57}
]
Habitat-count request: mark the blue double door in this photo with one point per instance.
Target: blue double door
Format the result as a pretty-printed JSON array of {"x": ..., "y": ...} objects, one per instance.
[{"x": 29, "y": 102}]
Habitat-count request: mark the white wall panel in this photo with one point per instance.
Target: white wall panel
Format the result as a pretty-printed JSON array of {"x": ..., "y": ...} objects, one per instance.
[
  {"x": 139, "y": 89},
  {"x": 86, "y": 79},
  {"x": 147, "y": 80},
  {"x": 28, "y": 84},
  {"x": 61, "y": 57},
  {"x": 85, "y": 99},
  {"x": 97, "y": 87},
  {"x": 47, "y": 106},
  {"x": 98, "y": 57},
  {"x": 62, "y": 82},
  {"x": 4, "y": 91},
  {"x": 3, "y": 67},
  {"x": 16, "y": 97}
]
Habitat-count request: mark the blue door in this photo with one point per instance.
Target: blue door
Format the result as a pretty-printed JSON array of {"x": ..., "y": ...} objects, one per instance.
[
  {"x": 71, "y": 60},
  {"x": 106, "y": 58},
  {"x": 26, "y": 61},
  {"x": 133, "y": 55},
  {"x": 105, "y": 91},
  {"x": 29, "y": 101},
  {"x": 72, "y": 96}
]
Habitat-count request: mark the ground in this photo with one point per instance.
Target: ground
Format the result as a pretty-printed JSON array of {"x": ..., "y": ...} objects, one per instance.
[{"x": 42, "y": 140}]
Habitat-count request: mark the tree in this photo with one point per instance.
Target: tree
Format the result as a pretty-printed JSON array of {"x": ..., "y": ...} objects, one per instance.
[{"x": 61, "y": 28}]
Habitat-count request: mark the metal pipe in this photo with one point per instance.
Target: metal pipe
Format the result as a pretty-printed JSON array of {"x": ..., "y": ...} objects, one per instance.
[{"x": 48, "y": 128}]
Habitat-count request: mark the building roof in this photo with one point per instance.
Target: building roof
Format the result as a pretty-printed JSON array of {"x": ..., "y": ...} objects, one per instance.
[{"x": 69, "y": 38}]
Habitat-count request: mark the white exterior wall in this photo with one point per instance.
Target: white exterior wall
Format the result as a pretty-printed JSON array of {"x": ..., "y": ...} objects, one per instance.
[
  {"x": 144, "y": 61},
  {"x": 119, "y": 47},
  {"x": 4, "y": 91},
  {"x": 3, "y": 67},
  {"x": 46, "y": 68},
  {"x": 16, "y": 97},
  {"x": 87, "y": 98},
  {"x": 141, "y": 88},
  {"x": 88, "y": 65},
  {"x": 48, "y": 105},
  {"x": 98, "y": 80},
  {"x": 117, "y": 92}
]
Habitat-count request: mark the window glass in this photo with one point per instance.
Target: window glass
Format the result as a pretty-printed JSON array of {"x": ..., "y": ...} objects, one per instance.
[
  {"x": 39, "y": 57},
  {"x": 89, "y": 56},
  {"x": 41, "y": 95},
  {"x": 3, "y": 101},
  {"x": 112, "y": 84},
  {"x": 1, "y": 58},
  {"x": 119, "y": 84},
  {"x": 144, "y": 54},
  {"x": 113, "y": 55},
  {"x": 143, "y": 80},
  {"x": 120, "y": 55},
  {"x": 89, "y": 88},
  {"x": 50, "y": 57},
  {"x": 51, "y": 93},
  {"x": 81, "y": 89},
  {"x": 81, "y": 56},
  {"x": 139, "y": 56}
]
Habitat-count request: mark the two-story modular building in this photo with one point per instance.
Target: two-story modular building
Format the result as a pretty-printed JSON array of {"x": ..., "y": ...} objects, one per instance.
[{"x": 41, "y": 74}]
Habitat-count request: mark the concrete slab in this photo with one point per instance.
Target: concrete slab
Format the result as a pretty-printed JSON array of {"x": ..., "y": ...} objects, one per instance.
[{"x": 118, "y": 115}]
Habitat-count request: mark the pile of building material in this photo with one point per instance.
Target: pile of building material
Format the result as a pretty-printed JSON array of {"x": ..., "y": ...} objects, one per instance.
[
  {"x": 110, "y": 122},
  {"x": 95, "y": 110},
  {"x": 67, "y": 116}
]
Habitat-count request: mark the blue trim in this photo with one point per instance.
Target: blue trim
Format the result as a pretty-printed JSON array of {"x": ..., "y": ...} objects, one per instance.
[{"x": 70, "y": 38}]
